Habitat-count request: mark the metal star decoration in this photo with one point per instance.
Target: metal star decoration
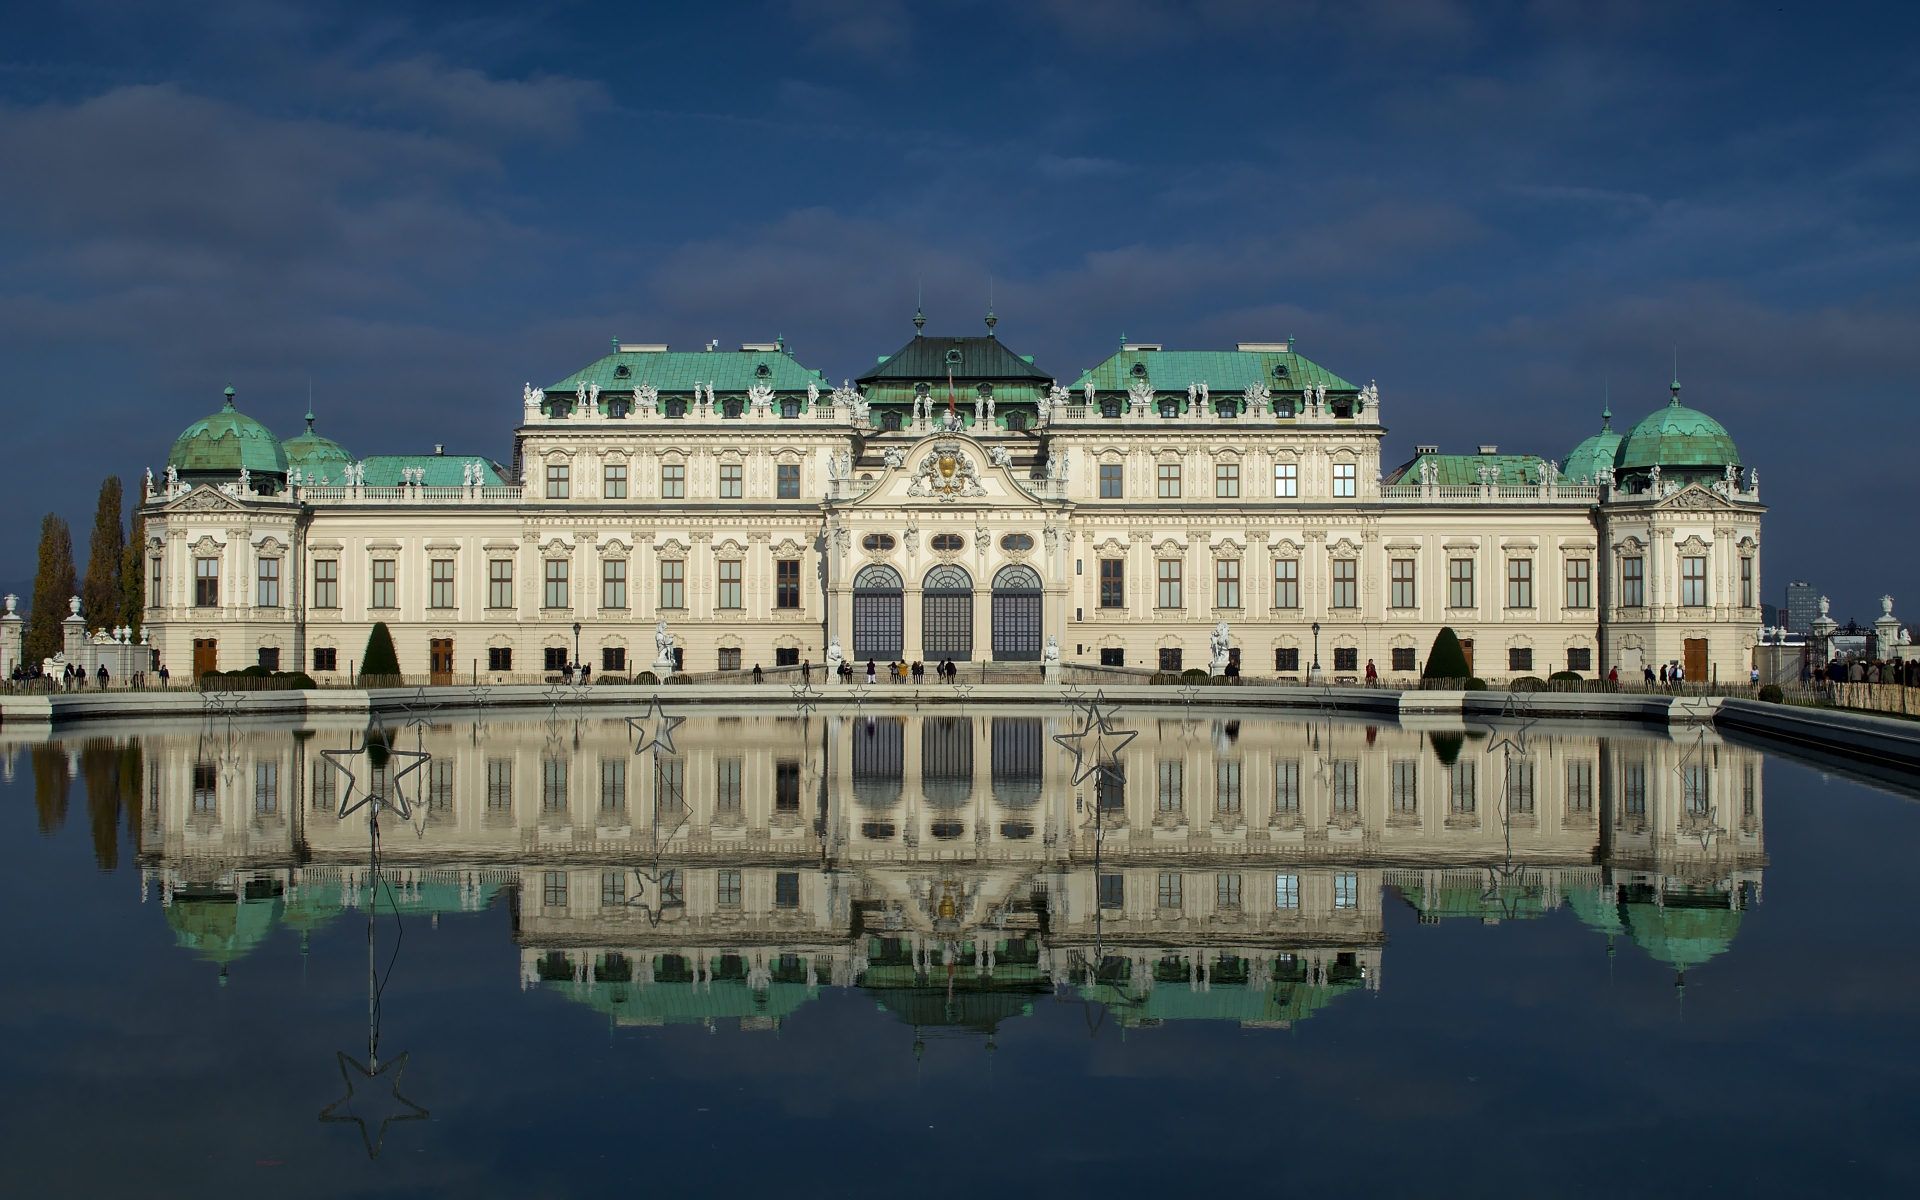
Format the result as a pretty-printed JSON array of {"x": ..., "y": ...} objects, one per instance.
[
  {"x": 397, "y": 802},
  {"x": 1189, "y": 692},
  {"x": 962, "y": 690},
  {"x": 386, "y": 1108},
  {"x": 1095, "y": 747},
  {"x": 220, "y": 703},
  {"x": 653, "y": 729},
  {"x": 805, "y": 699},
  {"x": 859, "y": 694},
  {"x": 418, "y": 710}
]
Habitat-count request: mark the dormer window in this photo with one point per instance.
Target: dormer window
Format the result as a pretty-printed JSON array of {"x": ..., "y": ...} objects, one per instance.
[
  {"x": 763, "y": 371},
  {"x": 617, "y": 407},
  {"x": 1226, "y": 409},
  {"x": 622, "y": 371},
  {"x": 1110, "y": 408},
  {"x": 732, "y": 409},
  {"x": 1169, "y": 408},
  {"x": 676, "y": 407},
  {"x": 1279, "y": 370},
  {"x": 1139, "y": 370},
  {"x": 890, "y": 421},
  {"x": 789, "y": 409},
  {"x": 953, "y": 357},
  {"x": 1016, "y": 422}
]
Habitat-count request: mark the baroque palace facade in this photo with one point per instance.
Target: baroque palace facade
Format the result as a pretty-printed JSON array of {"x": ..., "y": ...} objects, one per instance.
[{"x": 726, "y": 509}]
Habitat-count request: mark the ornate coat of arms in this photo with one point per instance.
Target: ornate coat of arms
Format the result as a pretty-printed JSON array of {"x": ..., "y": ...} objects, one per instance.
[{"x": 947, "y": 472}]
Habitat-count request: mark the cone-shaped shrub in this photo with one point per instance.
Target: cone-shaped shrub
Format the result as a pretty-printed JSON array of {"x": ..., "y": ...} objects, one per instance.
[
  {"x": 380, "y": 658},
  {"x": 1446, "y": 660}
]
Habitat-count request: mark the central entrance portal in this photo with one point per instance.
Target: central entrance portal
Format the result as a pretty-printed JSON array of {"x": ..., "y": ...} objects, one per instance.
[
  {"x": 1016, "y": 614},
  {"x": 946, "y": 607}
]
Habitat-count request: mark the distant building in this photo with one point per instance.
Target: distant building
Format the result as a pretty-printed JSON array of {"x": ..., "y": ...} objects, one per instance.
[
  {"x": 1803, "y": 606},
  {"x": 1769, "y": 615}
]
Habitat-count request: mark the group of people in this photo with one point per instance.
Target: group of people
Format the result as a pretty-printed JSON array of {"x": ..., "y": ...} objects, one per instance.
[
  {"x": 1906, "y": 673},
  {"x": 73, "y": 677},
  {"x": 900, "y": 671}
]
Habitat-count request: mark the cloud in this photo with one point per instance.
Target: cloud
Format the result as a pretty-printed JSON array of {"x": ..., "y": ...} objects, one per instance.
[
  {"x": 1064, "y": 169},
  {"x": 467, "y": 103},
  {"x": 862, "y": 28}
]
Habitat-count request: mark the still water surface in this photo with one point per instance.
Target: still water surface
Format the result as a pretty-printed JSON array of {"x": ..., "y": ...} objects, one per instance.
[{"x": 832, "y": 955}]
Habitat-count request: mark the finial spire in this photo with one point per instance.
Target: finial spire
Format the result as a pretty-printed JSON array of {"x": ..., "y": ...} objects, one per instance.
[
  {"x": 919, "y": 321},
  {"x": 1675, "y": 402},
  {"x": 1606, "y": 405},
  {"x": 229, "y": 396}
]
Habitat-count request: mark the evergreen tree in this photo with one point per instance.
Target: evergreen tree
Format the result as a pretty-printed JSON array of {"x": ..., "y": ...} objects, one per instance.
[
  {"x": 1446, "y": 660},
  {"x": 52, "y": 584},
  {"x": 133, "y": 577},
  {"x": 100, "y": 595},
  {"x": 380, "y": 658}
]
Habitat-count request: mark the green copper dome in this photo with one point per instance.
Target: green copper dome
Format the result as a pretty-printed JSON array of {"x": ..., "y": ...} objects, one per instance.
[
  {"x": 315, "y": 455},
  {"x": 1596, "y": 452},
  {"x": 220, "y": 445},
  {"x": 1678, "y": 438}
]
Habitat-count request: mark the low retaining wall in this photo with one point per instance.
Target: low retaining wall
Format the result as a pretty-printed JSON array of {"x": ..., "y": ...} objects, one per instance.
[{"x": 1886, "y": 741}]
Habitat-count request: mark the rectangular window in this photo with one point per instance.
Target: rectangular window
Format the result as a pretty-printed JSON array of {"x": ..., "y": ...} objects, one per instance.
[
  {"x": 1519, "y": 583},
  {"x": 1286, "y": 658},
  {"x": 559, "y": 484},
  {"x": 726, "y": 795},
  {"x": 1406, "y": 787},
  {"x": 1170, "y": 583},
  {"x": 326, "y": 583},
  {"x": 1579, "y": 583},
  {"x": 786, "y": 786},
  {"x": 1170, "y": 889},
  {"x": 499, "y": 784},
  {"x": 1696, "y": 789},
  {"x": 613, "y": 583},
  {"x": 1579, "y": 786},
  {"x": 156, "y": 580},
  {"x": 726, "y": 889},
  {"x": 614, "y": 485},
  {"x": 557, "y": 593},
  {"x": 1286, "y": 786},
  {"x": 788, "y": 481},
  {"x": 270, "y": 657},
  {"x": 1579, "y": 658},
  {"x": 1633, "y": 582},
  {"x": 553, "y": 784},
  {"x": 1403, "y": 658},
  {"x": 786, "y": 889},
  {"x": 206, "y": 583},
  {"x": 499, "y": 658},
  {"x": 1746, "y": 583},
  {"x": 326, "y": 658},
  {"x": 1460, "y": 583},
  {"x": 1286, "y": 583},
  {"x": 270, "y": 582},
  {"x": 440, "y": 590},
  {"x": 1112, "y": 485},
  {"x": 326, "y": 785},
  {"x": 1633, "y": 789},
  {"x": 786, "y": 583},
  {"x": 1226, "y": 481},
  {"x": 613, "y": 889},
  {"x": 1519, "y": 658},
  {"x": 1693, "y": 582},
  {"x": 1346, "y": 889},
  {"x": 673, "y": 482},
  {"x": 1346, "y": 583},
  {"x": 555, "y": 891},
  {"x": 1346, "y": 787},
  {"x": 1172, "y": 776},
  {"x": 613, "y": 659},
  {"x": 1463, "y": 788},
  {"x": 1286, "y": 891},
  {"x": 1401, "y": 594},
  {"x": 1111, "y": 791},
  {"x": 554, "y": 658},
  {"x": 613, "y": 785},
  {"x": 729, "y": 658},
  {"x": 673, "y": 583},
  {"x": 1346, "y": 658},
  {"x": 729, "y": 595},
  {"x": 386, "y": 589},
  {"x": 1113, "y": 891},
  {"x": 1169, "y": 658},
  {"x": 1226, "y": 583},
  {"x": 266, "y": 788},
  {"x": 1113, "y": 583},
  {"x": 669, "y": 786},
  {"x": 1113, "y": 656},
  {"x": 1344, "y": 476},
  {"x": 731, "y": 487},
  {"x": 1286, "y": 481},
  {"x": 440, "y": 786},
  {"x": 673, "y": 890},
  {"x": 1520, "y": 799},
  {"x": 1226, "y": 786},
  {"x": 1226, "y": 891},
  {"x": 1169, "y": 481},
  {"x": 500, "y": 583}
]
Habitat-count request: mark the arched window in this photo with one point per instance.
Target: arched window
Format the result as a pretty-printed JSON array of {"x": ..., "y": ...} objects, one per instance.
[
  {"x": 946, "y": 609},
  {"x": 878, "y": 613},
  {"x": 1016, "y": 613}
]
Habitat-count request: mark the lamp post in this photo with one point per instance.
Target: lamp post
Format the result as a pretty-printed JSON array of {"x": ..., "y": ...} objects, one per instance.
[
  {"x": 1314, "y": 675},
  {"x": 576, "y": 645}
]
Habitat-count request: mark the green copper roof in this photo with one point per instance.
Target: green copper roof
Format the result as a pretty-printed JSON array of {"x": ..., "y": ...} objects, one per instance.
[
  {"x": 677, "y": 371},
  {"x": 1593, "y": 453},
  {"x": 979, "y": 359},
  {"x": 1223, "y": 371},
  {"x": 1463, "y": 470},
  {"x": 311, "y": 452},
  {"x": 1677, "y": 436},
  {"x": 443, "y": 470},
  {"x": 1681, "y": 936},
  {"x": 225, "y": 442},
  {"x": 223, "y": 927}
]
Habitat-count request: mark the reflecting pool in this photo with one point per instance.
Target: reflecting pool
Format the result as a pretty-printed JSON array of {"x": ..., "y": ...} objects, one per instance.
[{"x": 945, "y": 949}]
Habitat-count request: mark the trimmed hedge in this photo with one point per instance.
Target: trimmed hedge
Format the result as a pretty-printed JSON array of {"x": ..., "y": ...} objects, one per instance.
[
  {"x": 682, "y": 678},
  {"x": 1565, "y": 677},
  {"x": 380, "y": 658},
  {"x": 1476, "y": 685},
  {"x": 1446, "y": 659},
  {"x": 1527, "y": 683},
  {"x": 647, "y": 677},
  {"x": 1771, "y": 693},
  {"x": 1196, "y": 675}
]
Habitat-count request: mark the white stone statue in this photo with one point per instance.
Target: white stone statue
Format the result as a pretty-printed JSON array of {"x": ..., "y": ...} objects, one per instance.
[
  {"x": 529, "y": 401},
  {"x": 1089, "y": 392},
  {"x": 1221, "y": 643},
  {"x": 835, "y": 656},
  {"x": 989, "y": 410},
  {"x": 645, "y": 397},
  {"x": 813, "y": 394},
  {"x": 246, "y": 481},
  {"x": 593, "y": 399},
  {"x": 662, "y": 647},
  {"x": 761, "y": 396},
  {"x": 149, "y": 482},
  {"x": 1193, "y": 394},
  {"x": 580, "y": 393},
  {"x": 895, "y": 455},
  {"x": 1206, "y": 397},
  {"x": 998, "y": 456},
  {"x": 1256, "y": 397},
  {"x": 979, "y": 408},
  {"x": 1051, "y": 655},
  {"x": 173, "y": 479}
]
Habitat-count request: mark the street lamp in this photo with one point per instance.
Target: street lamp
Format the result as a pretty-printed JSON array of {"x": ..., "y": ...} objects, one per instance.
[
  {"x": 576, "y": 645},
  {"x": 1315, "y": 673}
]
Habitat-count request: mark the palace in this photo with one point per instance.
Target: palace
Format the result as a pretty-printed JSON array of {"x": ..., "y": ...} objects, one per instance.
[{"x": 716, "y": 510}]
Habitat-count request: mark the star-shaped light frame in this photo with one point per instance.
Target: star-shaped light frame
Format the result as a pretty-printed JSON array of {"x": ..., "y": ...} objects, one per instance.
[
  {"x": 418, "y": 710},
  {"x": 653, "y": 729},
  {"x": 397, "y": 802},
  {"x": 1096, "y": 747},
  {"x": 805, "y": 698},
  {"x": 220, "y": 703},
  {"x": 402, "y": 1109}
]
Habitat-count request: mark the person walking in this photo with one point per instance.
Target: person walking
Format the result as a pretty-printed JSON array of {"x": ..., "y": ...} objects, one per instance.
[
  {"x": 757, "y": 676},
  {"x": 103, "y": 677},
  {"x": 870, "y": 673},
  {"x": 1613, "y": 675},
  {"x": 1373, "y": 676}
]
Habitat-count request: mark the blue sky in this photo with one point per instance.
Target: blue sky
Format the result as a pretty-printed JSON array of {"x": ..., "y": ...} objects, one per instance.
[{"x": 1496, "y": 210}]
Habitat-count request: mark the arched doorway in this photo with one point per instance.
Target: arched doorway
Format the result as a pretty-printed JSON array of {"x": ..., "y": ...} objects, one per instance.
[
  {"x": 1016, "y": 614},
  {"x": 878, "y": 613},
  {"x": 946, "y": 613}
]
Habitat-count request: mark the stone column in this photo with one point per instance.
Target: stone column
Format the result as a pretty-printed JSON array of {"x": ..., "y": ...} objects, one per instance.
[{"x": 12, "y": 638}]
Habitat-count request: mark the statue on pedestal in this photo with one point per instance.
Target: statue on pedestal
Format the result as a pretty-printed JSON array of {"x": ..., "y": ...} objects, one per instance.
[
  {"x": 1220, "y": 642},
  {"x": 663, "y": 648}
]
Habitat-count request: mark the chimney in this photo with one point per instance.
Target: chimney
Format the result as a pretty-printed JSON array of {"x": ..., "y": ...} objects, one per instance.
[
  {"x": 1489, "y": 449},
  {"x": 438, "y": 449}
]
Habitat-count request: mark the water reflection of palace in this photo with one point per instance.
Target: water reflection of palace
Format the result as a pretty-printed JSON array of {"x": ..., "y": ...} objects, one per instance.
[{"x": 946, "y": 863}]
